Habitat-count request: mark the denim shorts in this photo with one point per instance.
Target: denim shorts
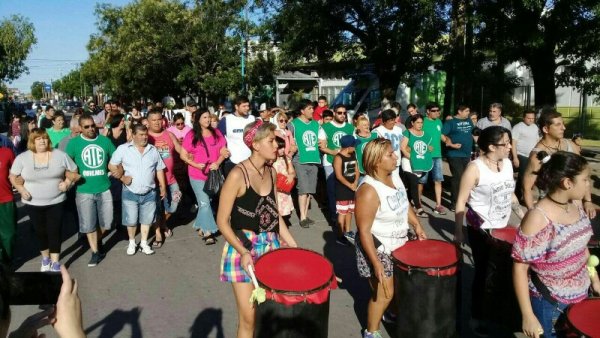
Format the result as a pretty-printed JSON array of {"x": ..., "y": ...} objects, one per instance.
[
  {"x": 94, "y": 207},
  {"x": 168, "y": 204},
  {"x": 138, "y": 208},
  {"x": 436, "y": 172},
  {"x": 547, "y": 314}
]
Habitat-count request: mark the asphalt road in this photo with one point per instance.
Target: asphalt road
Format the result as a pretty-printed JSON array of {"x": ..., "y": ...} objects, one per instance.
[{"x": 177, "y": 293}]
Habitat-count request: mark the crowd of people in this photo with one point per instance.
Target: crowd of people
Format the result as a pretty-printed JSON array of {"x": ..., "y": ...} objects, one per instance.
[{"x": 135, "y": 168}]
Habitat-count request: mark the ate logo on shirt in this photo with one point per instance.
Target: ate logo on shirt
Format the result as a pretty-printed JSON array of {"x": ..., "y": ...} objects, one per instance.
[
  {"x": 309, "y": 138},
  {"x": 336, "y": 137},
  {"x": 93, "y": 156},
  {"x": 420, "y": 148}
]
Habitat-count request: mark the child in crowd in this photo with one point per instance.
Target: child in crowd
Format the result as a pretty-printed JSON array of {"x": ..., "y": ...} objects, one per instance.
[
  {"x": 346, "y": 173},
  {"x": 286, "y": 180}
]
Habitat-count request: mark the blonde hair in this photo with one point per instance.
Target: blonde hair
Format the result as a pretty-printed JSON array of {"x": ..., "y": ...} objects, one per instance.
[
  {"x": 373, "y": 154},
  {"x": 36, "y": 133},
  {"x": 265, "y": 129},
  {"x": 360, "y": 119},
  {"x": 214, "y": 117}
]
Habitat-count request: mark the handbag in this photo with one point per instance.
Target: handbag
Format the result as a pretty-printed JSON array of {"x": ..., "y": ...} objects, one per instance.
[
  {"x": 283, "y": 185},
  {"x": 214, "y": 182}
]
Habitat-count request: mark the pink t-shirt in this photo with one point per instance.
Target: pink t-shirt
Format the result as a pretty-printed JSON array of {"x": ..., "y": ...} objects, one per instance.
[
  {"x": 179, "y": 134},
  {"x": 166, "y": 148},
  {"x": 207, "y": 155}
]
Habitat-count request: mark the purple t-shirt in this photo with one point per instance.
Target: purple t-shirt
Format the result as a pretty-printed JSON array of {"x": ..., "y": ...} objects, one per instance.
[{"x": 206, "y": 155}]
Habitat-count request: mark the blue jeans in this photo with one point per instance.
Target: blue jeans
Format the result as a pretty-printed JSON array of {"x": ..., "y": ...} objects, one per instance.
[
  {"x": 547, "y": 314},
  {"x": 204, "y": 219},
  {"x": 330, "y": 179},
  {"x": 138, "y": 208},
  {"x": 167, "y": 204}
]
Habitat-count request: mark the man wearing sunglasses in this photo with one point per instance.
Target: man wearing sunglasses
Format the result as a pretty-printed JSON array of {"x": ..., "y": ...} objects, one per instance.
[
  {"x": 334, "y": 131},
  {"x": 91, "y": 153}
]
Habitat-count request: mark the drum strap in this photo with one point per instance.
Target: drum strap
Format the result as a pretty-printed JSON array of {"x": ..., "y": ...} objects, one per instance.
[
  {"x": 543, "y": 289},
  {"x": 242, "y": 237}
]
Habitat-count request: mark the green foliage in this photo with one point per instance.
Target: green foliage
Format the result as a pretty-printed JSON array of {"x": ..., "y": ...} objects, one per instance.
[
  {"x": 17, "y": 36},
  {"x": 399, "y": 37},
  {"x": 37, "y": 90},
  {"x": 72, "y": 85}
]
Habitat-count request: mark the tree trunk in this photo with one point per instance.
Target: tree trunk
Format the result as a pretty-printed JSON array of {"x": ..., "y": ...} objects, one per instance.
[{"x": 543, "y": 66}]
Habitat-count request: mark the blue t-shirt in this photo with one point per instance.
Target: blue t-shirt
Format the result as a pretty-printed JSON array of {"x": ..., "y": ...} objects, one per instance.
[{"x": 459, "y": 131}]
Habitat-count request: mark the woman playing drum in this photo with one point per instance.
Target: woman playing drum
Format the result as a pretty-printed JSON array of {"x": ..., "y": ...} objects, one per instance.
[
  {"x": 382, "y": 218},
  {"x": 248, "y": 218},
  {"x": 552, "y": 245}
]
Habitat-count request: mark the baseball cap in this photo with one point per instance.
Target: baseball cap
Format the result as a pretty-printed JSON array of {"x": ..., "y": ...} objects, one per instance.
[{"x": 348, "y": 141}]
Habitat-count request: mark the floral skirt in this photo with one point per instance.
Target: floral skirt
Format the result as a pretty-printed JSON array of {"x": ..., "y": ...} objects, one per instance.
[{"x": 365, "y": 269}]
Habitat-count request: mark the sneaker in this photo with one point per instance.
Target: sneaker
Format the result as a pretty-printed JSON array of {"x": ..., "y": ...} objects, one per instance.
[
  {"x": 146, "y": 249},
  {"x": 342, "y": 241},
  {"x": 452, "y": 208},
  {"x": 310, "y": 221},
  {"x": 420, "y": 213},
  {"x": 376, "y": 334},
  {"x": 46, "y": 263},
  {"x": 440, "y": 210},
  {"x": 131, "y": 249},
  {"x": 350, "y": 236},
  {"x": 55, "y": 267},
  {"x": 389, "y": 317},
  {"x": 96, "y": 258},
  {"x": 305, "y": 223}
]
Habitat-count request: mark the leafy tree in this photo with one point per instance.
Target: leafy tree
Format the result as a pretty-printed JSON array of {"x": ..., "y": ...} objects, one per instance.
[
  {"x": 72, "y": 84},
  {"x": 544, "y": 34},
  {"x": 17, "y": 36},
  {"x": 399, "y": 37},
  {"x": 37, "y": 90}
]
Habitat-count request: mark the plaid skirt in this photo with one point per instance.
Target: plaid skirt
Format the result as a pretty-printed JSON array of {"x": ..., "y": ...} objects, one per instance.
[{"x": 231, "y": 267}]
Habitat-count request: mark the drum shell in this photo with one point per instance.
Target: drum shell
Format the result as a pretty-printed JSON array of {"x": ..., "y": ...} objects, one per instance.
[
  {"x": 302, "y": 320},
  {"x": 294, "y": 314},
  {"x": 500, "y": 302},
  {"x": 427, "y": 301}
]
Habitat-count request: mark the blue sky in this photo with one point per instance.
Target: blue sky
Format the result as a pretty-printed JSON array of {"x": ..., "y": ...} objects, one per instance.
[{"x": 62, "y": 28}]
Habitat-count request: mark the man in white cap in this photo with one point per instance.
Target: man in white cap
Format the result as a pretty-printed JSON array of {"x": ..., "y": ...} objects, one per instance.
[{"x": 264, "y": 113}]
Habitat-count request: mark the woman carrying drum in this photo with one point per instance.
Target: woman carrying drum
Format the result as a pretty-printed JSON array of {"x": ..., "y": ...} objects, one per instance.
[
  {"x": 552, "y": 245},
  {"x": 255, "y": 226},
  {"x": 382, "y": 218},
  {"x": 487, "y": 185}
]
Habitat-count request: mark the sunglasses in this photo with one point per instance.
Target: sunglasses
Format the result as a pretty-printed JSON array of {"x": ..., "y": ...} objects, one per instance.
[
  {"x": 282, "y": 121},
  {"x": 87, "y": 126},
  {"x": 434, "y": 110},
  {"x": 340, "y": 112},
  {"x": 179, "y": 124}
]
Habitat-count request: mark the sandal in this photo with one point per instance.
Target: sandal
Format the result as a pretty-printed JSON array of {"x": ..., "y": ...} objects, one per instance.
[
  {"x": 421, "y": 213},
  {"x": 157, "y": 244},
  {"x": 210, "y": 240}
]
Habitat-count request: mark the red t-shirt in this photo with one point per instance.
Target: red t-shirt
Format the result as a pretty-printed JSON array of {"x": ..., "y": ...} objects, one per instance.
[
  {"x": 6, "y": 160},
  {"x": 317, "y": 114},
  {"x": 166, "y": 148}
]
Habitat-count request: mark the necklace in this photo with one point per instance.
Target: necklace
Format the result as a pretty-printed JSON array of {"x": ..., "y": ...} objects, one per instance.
[
  {"x": 557, "y": 148},
  {"x": 497, "y": 163},
  {"x": 565, "y": 205},
  {"x": 262, "y": 176}
]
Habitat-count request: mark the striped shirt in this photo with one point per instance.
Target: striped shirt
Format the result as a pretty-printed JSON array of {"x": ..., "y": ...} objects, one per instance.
[{"x": 558, "y": 254}]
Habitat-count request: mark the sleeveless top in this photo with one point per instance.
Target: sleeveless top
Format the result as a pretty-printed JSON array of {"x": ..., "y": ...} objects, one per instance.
[
  {"x": 254, "y": 212},
  {"x": 122, "y": 139},
  {"x": 490, "y": 201},
  {"x": 558, "y": 254},
  {"x": 390, "y": 225},
  {"x": 349, "y": 168}
]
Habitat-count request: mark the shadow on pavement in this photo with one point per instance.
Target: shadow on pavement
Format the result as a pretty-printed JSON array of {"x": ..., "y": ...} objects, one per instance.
[
  {"x": 343, "y": 259},
  {"x": 205, "y": 322},
  {"x": 114, "y": 323}
]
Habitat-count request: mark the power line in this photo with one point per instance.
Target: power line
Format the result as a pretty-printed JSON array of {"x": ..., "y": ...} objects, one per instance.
[{"x": 56, "y": 60}]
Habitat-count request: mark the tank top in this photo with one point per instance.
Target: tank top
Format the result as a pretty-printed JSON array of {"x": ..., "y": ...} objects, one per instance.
[
  {"x": 122, "y": 139},
  {"x": 349, "y": 168},
  {"x": 254, "y": 212},
  {"x": 492, "y": 197},
  {"x": 390, "y": 225}
]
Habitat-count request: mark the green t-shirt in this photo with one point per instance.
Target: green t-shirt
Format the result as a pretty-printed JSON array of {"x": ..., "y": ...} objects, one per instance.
[
  {"x": 334, "y": 134},
  {"x": 307, "y": 139},
  {"x": 57, "y": 135},
  {"x": 420, "y": 156},
  {"x": 433, "y": 128},
  {"x": 360, "y": 148},
  {"x": 91, "y": 157}
]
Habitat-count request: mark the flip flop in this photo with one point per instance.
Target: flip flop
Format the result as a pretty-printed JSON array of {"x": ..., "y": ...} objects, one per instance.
[{"x": 157, "y": 244}]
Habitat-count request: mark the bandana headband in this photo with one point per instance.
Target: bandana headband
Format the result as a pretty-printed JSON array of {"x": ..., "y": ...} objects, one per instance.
[{"x": 249, "y": 137}]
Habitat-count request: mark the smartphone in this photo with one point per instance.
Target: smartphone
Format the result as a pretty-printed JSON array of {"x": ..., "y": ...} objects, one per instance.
[{"x": 34, "y": 288}]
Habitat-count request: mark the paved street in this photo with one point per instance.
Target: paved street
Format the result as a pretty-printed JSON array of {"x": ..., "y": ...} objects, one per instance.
[{"x": 176, "y": 292}]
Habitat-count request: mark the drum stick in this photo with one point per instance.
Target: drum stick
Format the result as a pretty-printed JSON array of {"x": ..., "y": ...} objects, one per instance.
[
  {"x": 338, "y": 279},
  {"x": 252, "y": 275}
]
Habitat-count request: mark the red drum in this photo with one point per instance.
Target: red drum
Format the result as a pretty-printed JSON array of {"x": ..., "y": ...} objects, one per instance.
[
  {"x": 583, "y": 319},
  {"x": 426, "y": 286},
  {"x": 500, "y": 305},
  {"x": 297, "y": 283}
]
